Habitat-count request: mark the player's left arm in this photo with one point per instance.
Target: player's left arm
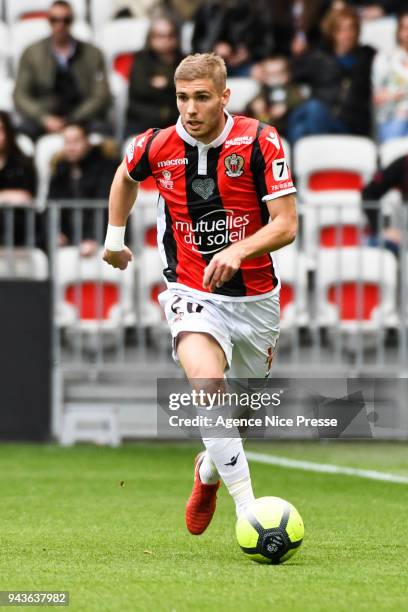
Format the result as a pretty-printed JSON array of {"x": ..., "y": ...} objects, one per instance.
[{"x": 271, "y": 237}]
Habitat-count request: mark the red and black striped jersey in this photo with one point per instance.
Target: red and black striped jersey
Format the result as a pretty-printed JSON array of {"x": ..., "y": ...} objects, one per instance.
[{"x": 212, "y": 195}]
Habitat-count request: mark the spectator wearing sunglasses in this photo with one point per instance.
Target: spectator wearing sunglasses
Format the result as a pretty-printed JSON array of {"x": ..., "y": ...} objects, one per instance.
[{"x": 61, "y": 79}]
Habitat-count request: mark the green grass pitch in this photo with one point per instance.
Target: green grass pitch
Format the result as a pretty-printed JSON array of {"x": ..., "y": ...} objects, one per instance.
[{"x": 68, "y": 522}]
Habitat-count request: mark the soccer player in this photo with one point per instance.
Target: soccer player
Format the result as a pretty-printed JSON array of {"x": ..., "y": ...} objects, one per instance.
[{"x": 221, "y": 180}]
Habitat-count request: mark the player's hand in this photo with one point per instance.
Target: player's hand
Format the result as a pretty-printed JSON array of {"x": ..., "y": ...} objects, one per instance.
[
  {"x": 118, "y": 259},
  {"x": 222, "y": 268}
]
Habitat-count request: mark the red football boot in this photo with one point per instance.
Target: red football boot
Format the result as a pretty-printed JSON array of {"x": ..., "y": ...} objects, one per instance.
[{"x": 201, "y": 504}]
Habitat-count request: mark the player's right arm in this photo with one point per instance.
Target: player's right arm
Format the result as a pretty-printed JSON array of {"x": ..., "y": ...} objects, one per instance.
[
  {"x": 121, "y": 199},
  {"x": 134, "y": 168}
]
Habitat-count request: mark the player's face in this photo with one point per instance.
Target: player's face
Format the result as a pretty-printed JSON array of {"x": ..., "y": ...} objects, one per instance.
[{"x": 201, "y": 107}]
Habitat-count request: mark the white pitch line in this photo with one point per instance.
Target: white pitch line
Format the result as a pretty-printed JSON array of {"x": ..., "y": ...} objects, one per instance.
[{"x": 326, "y": 468}]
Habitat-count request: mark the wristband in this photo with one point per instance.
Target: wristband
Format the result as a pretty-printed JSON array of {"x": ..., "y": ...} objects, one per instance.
[{"x": 115, "y": 238}]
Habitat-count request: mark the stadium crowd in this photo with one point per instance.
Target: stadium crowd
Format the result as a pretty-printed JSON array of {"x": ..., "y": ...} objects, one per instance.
[{"x": 314, "y": 76}]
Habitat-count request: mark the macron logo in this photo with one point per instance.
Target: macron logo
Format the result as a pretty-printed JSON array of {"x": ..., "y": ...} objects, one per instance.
[
  {"x": 140, "y": 142},
  {"x": 181, "y": 161},
  {"x": 272, "y": 137}
]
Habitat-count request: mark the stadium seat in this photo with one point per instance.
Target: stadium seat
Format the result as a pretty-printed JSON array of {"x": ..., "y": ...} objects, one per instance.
[
  {"x": 26, "y": 145},
  {"x": 391, "y": 150},
  {"x": 25, "y": 33},
  {"x": 356, "y": 289},
  {"x": 291, "y": 265},
  {"x": 333, "y": 162},
  {"x": 6, "y": 94},
  {"x": 119, "y": 89},
  {"x": 29, "y": 9},
  {"x": 243, "y": 90},
  {"x": 93, "y": 297},
  {"x": 119, "y": 39},
  {"x": 47, "y": 146},
  {"x": 82, "y": 30},
  {"x": 23, "y": 262},
  {"x": 331, "y": 219},
  {"x": 151, "y": 284},
  {"x": 143, "y": 220},
  {"x": 379, "y": 33},
  {"x": 101, "y": 11},
  {"x": 187, "y": 31}
]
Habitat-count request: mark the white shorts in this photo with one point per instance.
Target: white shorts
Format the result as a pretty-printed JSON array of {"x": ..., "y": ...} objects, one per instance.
[{"x": 246, "y": 331}]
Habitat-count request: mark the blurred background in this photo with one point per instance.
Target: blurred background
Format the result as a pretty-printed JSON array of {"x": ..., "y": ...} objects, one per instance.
[{"x": 84, "y": 344}]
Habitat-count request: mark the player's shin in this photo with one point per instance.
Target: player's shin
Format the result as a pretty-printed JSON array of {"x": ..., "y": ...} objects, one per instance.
[{"x": 228, "y": 456}]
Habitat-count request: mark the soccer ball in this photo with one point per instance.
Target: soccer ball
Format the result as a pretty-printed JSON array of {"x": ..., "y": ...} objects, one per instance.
[{"x": 270, "y": 531}]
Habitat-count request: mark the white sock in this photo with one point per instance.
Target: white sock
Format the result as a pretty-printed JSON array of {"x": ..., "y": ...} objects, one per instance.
[
  {"x": 242, "y": 493},
  {"x": 208, "y": 471},
  {"x": 228, "y": 457}
]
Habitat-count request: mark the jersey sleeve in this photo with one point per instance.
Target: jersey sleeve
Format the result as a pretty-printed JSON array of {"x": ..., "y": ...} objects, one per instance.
[
  {"x": 271, "y": 167},
  {"x": 137, "y": 156}
]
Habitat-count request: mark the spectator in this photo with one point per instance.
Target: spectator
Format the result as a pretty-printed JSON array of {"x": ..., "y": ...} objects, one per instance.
[
  {"x": 279, "y": 95},
  {"x": 152, "y": 98},
  {"x": 239, "y": 31},
  {"x": 83, "y": 171},
  {"x": 296, "y": 25},
  {"x": 395, "y": 176},
  {"x": 390, "y": 85},
  {"x": 339, "y": 79},
  {"x": 372, "y": 9},
  {"x": 17, "y": 179},
  {"x": 134, "y": 8},
  {"x": 61, "y": 79},
  {"x": 17, "y": 174},
  {"x": 184, "y": 10}
]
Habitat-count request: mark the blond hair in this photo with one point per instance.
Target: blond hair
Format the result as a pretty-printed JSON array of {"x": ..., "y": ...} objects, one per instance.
[{"x": 202, "y": 66}]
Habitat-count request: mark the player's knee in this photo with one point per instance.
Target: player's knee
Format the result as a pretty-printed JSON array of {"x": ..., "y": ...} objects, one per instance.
[
  {"x": 203, "y": 371},
  {"x": 208, "y": 384},
  {"x": 201, "y": 356}
]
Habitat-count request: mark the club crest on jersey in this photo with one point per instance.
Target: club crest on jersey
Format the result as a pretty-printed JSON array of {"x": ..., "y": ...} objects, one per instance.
[
  {"x": 166, "y": 181},
  {"x": 234, "y": 165}
]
